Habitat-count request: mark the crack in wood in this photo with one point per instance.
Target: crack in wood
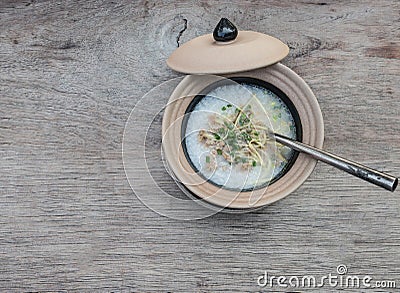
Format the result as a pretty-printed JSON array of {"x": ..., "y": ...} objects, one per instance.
[
  {"x": 316, "y": 3},
  {"x": 178, "y": 37},
  {"x": 58, "y": 45}
]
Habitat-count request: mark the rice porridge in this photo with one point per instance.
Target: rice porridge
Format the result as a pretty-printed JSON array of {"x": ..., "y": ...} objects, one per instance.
[{"x": 228, "y": 136}]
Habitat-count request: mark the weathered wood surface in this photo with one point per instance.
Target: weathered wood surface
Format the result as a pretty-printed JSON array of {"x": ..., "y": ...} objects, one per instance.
[{"x": 71, "y": 72}]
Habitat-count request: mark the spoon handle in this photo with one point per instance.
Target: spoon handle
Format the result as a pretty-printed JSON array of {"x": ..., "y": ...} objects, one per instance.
[{"x": 378, "y": 178}]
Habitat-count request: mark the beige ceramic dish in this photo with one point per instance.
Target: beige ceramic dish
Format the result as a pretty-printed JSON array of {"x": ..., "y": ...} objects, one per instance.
[
  {"x": 250, "y": 50},
  {"x": 312, "y": 132}
]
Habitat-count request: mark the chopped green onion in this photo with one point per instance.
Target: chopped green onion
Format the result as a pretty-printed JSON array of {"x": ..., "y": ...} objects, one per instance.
[
  {"x": 276, "y": 116},
  {"x": 238, "y": 137}
]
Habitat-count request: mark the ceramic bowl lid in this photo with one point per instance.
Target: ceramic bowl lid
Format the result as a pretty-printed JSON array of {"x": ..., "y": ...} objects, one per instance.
[{"x": 227, "y": 50}]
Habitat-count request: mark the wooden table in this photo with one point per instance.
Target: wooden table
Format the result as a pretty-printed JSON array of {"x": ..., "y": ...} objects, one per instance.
[{"x": 70, "y": 74}]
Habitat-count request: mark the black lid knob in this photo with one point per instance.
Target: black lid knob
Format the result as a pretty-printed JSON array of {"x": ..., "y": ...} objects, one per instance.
[{"x": 225, "y": 31}]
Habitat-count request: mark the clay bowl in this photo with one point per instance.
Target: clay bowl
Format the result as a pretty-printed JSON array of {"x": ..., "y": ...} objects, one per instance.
[{"x": 309, "y": 124}]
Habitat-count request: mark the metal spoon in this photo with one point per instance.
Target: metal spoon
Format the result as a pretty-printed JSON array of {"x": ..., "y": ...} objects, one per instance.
[{"x": 378, "y": 178}]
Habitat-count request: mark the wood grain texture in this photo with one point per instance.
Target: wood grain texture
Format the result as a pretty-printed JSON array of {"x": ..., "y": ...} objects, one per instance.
[{"x": 70, "y": 73}]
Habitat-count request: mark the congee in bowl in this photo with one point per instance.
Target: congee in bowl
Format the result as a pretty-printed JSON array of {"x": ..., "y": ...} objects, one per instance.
[{"x": 227, "y": 133}]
